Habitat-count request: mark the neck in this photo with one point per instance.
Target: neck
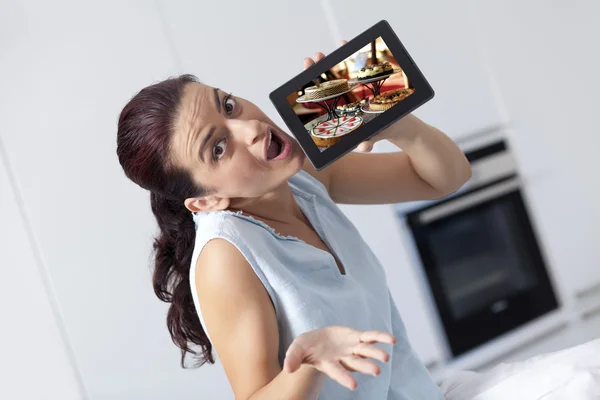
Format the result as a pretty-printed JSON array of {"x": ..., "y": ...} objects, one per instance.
[{"x": 278, "y": 206}]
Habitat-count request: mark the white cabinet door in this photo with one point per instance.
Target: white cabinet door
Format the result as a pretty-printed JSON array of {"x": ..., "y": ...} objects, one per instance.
[
  {"x": 442, "y": 40},
  {"x": 34, "y": 363},
  {"x": 246, "y": 47},
  {"x": 555, "y": 141},
  {"x": 66, "y": 71}
]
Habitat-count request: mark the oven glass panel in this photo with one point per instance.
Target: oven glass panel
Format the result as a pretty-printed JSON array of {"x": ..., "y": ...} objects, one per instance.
[{"x": 481, "y": 256}]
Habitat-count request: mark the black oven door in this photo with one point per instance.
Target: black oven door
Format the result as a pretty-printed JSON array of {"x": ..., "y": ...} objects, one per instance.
[{"x": 483, "y": 263}]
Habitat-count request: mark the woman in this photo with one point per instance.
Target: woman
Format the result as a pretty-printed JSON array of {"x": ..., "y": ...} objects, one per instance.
[{"x": 254, "y": 255}]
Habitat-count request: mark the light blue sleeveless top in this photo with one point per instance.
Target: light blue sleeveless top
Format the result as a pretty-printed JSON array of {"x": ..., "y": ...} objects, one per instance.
[{"x": 309, "y": 292}]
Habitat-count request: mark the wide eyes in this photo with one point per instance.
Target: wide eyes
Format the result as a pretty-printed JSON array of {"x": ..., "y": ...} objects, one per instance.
[{"x": 219, "y": 149}]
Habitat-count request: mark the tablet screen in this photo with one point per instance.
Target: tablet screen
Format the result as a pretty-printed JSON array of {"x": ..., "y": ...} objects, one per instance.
[{"x": 352, "y": 93}]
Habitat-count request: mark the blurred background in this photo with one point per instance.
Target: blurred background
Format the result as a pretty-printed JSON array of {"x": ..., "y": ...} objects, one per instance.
[{"x": 507, "y": 268}]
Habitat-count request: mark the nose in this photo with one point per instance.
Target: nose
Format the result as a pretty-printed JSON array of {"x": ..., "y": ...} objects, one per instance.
[
  {"x": 254, "y": 134},
  {"x": 250, "y": 132}
]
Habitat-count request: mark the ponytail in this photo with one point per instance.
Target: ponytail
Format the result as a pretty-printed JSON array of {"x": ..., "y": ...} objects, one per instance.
[
  {"x": 144, "y": 137},
  {"x": 173, "y": 255}
]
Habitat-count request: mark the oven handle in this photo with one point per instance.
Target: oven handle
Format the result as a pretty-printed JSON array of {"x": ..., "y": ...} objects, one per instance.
[{"x": 469, "y": 200}]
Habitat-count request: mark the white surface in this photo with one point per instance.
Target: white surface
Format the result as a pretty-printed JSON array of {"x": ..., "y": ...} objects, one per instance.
[
  {"x": 442, "y": 41},
  {"x": 572, "y": 373},
  {"x": 34, "y": 363},
  {"x": 575, "y": 332}
]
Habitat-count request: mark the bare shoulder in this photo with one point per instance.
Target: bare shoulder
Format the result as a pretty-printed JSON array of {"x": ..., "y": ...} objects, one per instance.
[
  {"x": 239, "y": 317},
  {"x": 220, "y": 260}
]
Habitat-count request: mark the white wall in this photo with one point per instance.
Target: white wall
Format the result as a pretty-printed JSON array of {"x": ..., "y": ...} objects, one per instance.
[
  {"x": 35, "y": 361},
  {"x": 68, "y": 67}
]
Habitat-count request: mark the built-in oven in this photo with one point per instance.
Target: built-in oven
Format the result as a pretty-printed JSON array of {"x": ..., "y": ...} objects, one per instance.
[{"x": 480, "y": 254}]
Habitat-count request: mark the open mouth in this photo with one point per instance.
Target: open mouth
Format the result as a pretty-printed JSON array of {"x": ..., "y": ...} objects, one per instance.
[{"x": 277, "y": 147}]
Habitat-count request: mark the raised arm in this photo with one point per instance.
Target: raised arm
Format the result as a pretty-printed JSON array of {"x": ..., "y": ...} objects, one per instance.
[{"x": 429, "y": 166}]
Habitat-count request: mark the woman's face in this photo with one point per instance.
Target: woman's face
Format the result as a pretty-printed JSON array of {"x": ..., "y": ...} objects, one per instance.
[{"x": 230, "y": 146}]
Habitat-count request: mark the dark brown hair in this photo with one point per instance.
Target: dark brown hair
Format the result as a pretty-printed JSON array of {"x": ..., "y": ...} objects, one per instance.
[{"x": 144, "y": 135}]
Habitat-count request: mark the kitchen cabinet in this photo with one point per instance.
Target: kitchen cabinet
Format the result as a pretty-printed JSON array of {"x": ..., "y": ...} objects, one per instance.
[
  {"x": 442, "y": 39},
  {"x": 555, "y": 142},
  {"x": 566, "y": 237}
]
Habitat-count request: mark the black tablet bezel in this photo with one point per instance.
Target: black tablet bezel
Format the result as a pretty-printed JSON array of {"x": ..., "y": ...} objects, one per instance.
[{"x": 423, "y": 93}]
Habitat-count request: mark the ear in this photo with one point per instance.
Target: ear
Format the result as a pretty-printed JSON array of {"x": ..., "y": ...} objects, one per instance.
[{"x": 206, "y": 203}]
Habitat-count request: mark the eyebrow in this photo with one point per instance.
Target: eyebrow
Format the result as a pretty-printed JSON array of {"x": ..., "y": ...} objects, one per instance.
[
  {"x": 207, "y": 137},
  {"x": 217, "y": 100}
]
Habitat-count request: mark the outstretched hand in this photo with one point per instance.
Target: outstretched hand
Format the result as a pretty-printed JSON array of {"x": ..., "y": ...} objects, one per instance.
[{"x": 337, "y": 350}]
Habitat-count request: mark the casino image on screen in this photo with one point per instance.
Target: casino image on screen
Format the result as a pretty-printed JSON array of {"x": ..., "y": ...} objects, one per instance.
[{"x": 349, "y": 95}]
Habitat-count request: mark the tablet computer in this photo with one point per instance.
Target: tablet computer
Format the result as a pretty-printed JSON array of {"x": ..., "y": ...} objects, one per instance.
[{"x": 351, "y": 95}]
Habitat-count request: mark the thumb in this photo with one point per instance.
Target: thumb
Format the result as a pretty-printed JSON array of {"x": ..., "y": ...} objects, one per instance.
[
  {"x": 365, "y": 146},
  {"x": 293, "y": 358}
]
